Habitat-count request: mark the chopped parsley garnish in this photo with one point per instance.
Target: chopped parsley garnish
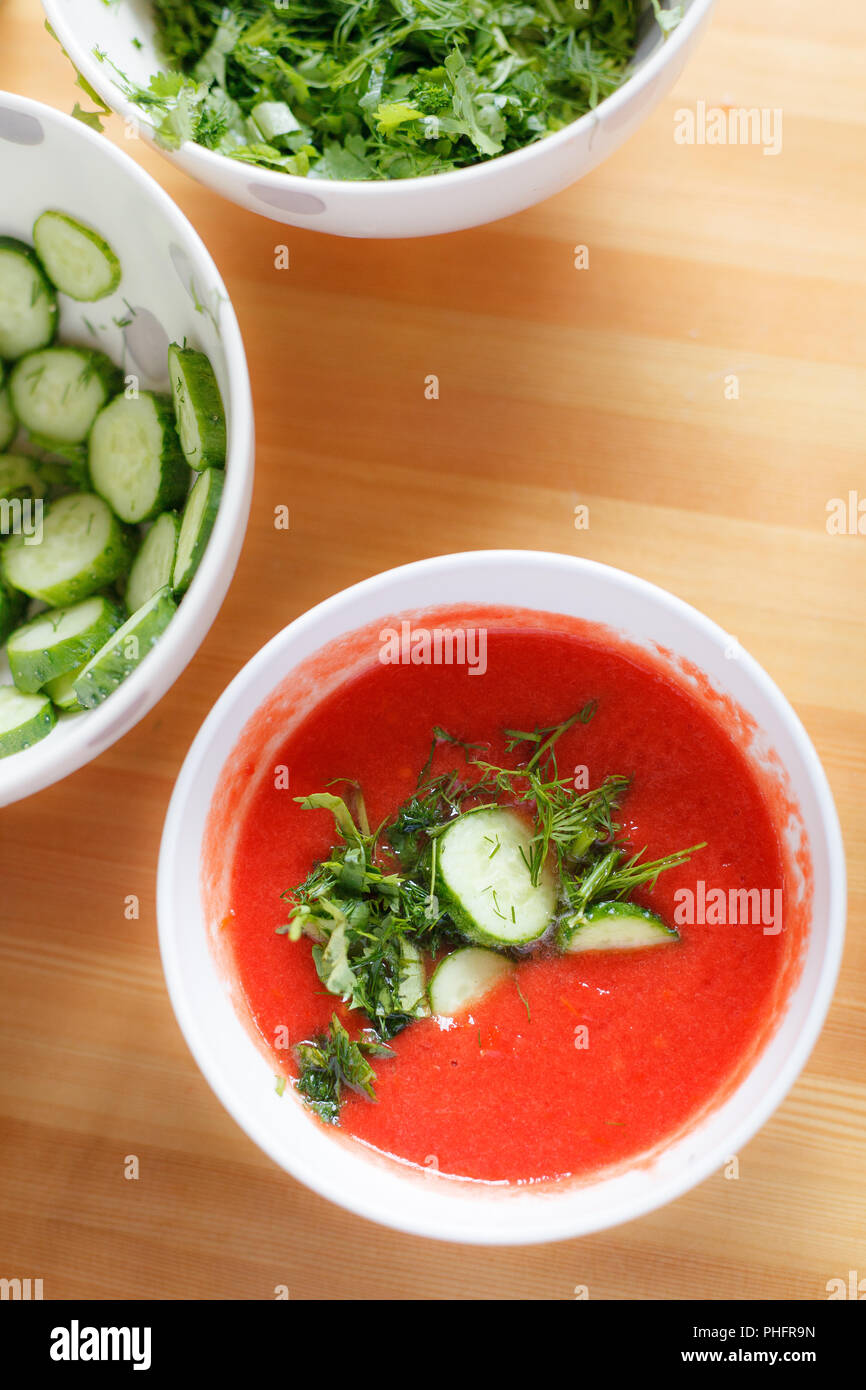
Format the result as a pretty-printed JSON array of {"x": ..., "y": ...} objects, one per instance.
[{"x": 383, "y": 89}]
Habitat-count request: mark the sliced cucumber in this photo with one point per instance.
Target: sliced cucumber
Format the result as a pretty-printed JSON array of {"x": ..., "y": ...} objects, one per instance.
[
  {"x": 61, "y": 691},
  {"x": 56, "y": 393},
  {"x": 23, "y": 476},
  {"x": 198, "y": 407},
  {"x": 483, "y": 866},
  {"x": 197, "y": 522},
  {"x": 28, "y": 303},
  {"x": 12, "y": 605},
  {"x": 135, "y": 457},
  {"x": 615, "y": 926},
  {"x": 84, "y": 548},
  {"x": 463, "y": 977},
  {"x": 60, "y": 640},
  {"x": 412, "y": 989},
  {"x": 153, "y": 566},
  {"x": 24, "y": 720},
  {"x": 76, "y": 259},
  {"x": 8, "y": 419},
  {"x": 125, "y": 649}
]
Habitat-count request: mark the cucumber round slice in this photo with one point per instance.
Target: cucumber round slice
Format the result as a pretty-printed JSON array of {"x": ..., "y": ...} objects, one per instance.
[
  {"x": 56, "y": 393},
  {"x": 124, "y": 651},
  {"x": 197, "y": 522},
  {"x": 28, "y": 302},
  {"x": 8, "y": 418},
  {"x": 76, "y": 258},
  {"x": 22, "y": 476},
  {"x": 12, "y": 605},
  {"x": 60, "y": 640},
  {"x": 198, "y": 407},
  {"x": 135, "y": 457},
  {"x": 153, "y": 566},
  {"x": 61, "y": 691},
  {"x": 24, "y": 720},
  {"x": 483, "y": 868},
  {"x": 615, "y": 926},
  {"x": 462, "y": 978},
  {"x": 84, "y": 548}
]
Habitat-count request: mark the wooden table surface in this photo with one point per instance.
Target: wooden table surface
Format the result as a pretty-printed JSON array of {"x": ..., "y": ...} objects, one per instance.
[{"x": 558, "y": 386}]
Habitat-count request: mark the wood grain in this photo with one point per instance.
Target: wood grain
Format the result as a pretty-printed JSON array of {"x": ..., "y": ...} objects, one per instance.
[{"x": 557, "y": 386}]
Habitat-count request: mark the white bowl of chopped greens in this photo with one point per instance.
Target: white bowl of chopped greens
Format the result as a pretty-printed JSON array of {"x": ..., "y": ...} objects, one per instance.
[
  {"x": 125, "y": 444},
  {"x": 382, "y": 120}
]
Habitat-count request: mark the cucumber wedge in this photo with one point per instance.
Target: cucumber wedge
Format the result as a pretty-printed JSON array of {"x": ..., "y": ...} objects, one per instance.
[
  {"x": 8, "y": 420},
  {"x": 56, "y": 393},
  {"x": 125, "y": 650},
  {"x": 61, "y": 691},
  {"x": 197, "y": 522},
  {"x": 153, "y": 566},
  {"x": 483, "y": 873},
  {"x": 135, "y": 457},
  {"x": 76, "y": 259},
  {"x": 412, "y": 989},
  {"x": 28, "y": 302},
  {"x": 12, "y": 605},
  {"x": 84, "y": 548},
  {"x": 462, "y": 978},
  {"x": 615, "y": 926},
  {"x": 60, "y": 641},
  {"x": 198, "y": 407},
  {"x": 24, "y": 720}
]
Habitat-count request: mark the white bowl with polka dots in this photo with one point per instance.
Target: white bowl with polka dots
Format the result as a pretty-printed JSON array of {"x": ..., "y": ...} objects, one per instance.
[
  {"x": 170, "y": 291},
  {"x": 126, "y": 35}
]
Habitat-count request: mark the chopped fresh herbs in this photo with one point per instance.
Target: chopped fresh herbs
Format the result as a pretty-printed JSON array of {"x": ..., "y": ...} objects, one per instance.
[
  {"x": 370, "y": 909},
  {"x": 383, "y": 89},
  {"x": 331, "y": 1061}
]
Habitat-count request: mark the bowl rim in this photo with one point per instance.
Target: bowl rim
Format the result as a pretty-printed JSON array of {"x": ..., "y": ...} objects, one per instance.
[
  {"x": 44, "y": 764},
  {"x": 526, "y": 1231},
  {"x": 200, "y": 160}
]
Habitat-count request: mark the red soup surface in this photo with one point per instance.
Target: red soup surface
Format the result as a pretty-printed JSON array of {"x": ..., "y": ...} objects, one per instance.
[{"x": 576, "y": 1063}]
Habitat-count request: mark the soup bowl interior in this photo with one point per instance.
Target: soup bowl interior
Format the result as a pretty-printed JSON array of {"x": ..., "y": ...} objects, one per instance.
[
  {"x": 356, "y": 1177},
  {"x": 126, "y": 35},
  {"x": 170, "y": 291}
]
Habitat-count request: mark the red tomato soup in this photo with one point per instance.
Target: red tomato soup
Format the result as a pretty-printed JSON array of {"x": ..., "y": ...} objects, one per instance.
[{"x": 575, "y": 1063}]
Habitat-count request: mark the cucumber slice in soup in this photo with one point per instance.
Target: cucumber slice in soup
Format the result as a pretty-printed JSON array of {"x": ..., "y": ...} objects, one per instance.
[
  {"x": 615, "y": 926},
  {"x": 60, "y": 640},
  {"x": 124, "y": 651},
  {"x": 412, "y": 989},
  {"x": 28, "y": 303},
  {"x": 24, "y": 720},
  {"x": 84, "y": 548},
  {"x": 198, "y": 407},
  {"x": 12, "y": 605},
  {"x": 463, "y": 977},
  {"x": 76, "y": 259},
  {"x": 135, "y": 458},
  {"x": 8, "y": 419},
  {"x": 56, "y": 393},
  {"x": 153, "y": 566},
  {"x": 197, "y": 522},
  {"x": 61, "y": 691},
  {"x": 483, "y": 872}
]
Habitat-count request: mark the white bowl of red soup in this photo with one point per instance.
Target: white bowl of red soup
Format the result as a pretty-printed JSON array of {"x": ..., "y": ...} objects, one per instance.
[{"x": 517, "y": 912}]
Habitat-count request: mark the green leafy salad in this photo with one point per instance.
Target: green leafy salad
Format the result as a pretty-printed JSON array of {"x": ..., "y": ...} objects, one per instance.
[
  {"x": 383, "y": 89},
  {"x": 481, "y": 866}
]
